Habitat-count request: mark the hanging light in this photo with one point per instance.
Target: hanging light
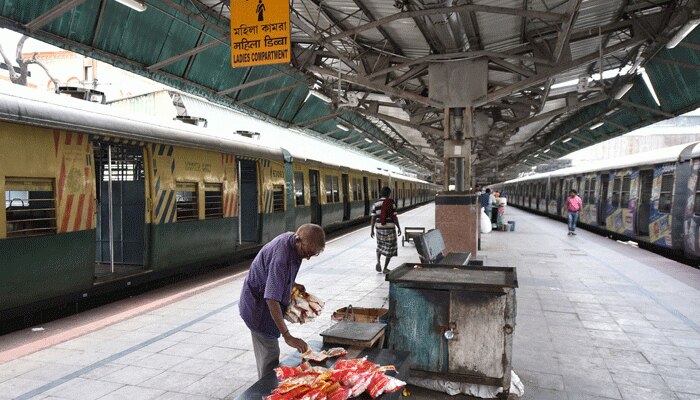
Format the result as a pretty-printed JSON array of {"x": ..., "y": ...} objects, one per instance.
[
  {"x": 137, "y": 5},
  {"x": 596, "y": 126},
  {"x": 342, "y": 127},
  {"x": 682, "y": 33},
  {"x": 623, "y": 90},
  {"x": 567, "y": 140}
]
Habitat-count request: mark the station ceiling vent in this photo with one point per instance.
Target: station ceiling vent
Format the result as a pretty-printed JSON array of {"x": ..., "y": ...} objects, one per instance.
[
  {"x": 91, "y": 95},
  {"x": 196, "y": 121},
  {"x": 248, "y": 134}
]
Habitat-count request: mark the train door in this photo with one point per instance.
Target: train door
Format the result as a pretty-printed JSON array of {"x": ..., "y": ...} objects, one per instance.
[
  {"x": 603, "y": 198},
  {"x": 346, "y": 197},
  {"x": 314, "y": 191},
  {"x": 248, "y": 189},
  {"x": 646, "y": 179},
  {"x": 121, "y": 204},
  {"x": 366, "y": 192}
]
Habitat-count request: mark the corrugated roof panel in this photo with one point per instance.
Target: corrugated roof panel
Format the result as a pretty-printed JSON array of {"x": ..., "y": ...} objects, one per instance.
[
  {"x": 403, "y": 31},
  {"x": 79, "y": 26}
]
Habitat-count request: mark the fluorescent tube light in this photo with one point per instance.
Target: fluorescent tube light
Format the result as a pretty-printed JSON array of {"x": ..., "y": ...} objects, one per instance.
[
  {"x": 318, "y": 95},
  {"x": 343, "y": 127},
  {"x": 650, "y": 86},
  {"x": 546, "y": 150},
  {"x": 368, "y": 140},
  {"x": 623, "y": 90},
  {"x": 682, "y": 33},
  {"x": 596, "y": 126},
  {"x": 137, "y": 5},
  {"x": 566, "y": 140}
]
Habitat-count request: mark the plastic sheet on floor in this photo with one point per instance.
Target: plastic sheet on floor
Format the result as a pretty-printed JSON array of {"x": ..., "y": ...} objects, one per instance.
[{"x": 471, "y": 389}]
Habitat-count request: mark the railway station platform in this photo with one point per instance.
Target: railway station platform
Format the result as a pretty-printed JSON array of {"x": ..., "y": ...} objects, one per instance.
[{"x": 596, "y": 319}]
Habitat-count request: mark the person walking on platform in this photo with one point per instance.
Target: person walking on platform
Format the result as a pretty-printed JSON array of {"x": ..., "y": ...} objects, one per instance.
[
  {"x": 573, "y": 206},
  {"x": 485, "y": 202},
  {"x": 494, "y": 207},
  {"x": 385, "y": 210},
  {"x": 267, "y": 292}
]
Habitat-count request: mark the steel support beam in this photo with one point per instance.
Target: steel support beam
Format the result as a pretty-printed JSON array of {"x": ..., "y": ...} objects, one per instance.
[
  {"x": 189, "y": 53},
  {"x": 52, "y": 14},
  {"x": 554, "y": 113},
  {"x": 543, "y": 15},
  {"x": 539, "y": 78},
  {"x": 271, "y": 92},
  {"x": 312, "y": 122},
  {"x": 251, "y": 83},
  {"x": 645, "y": 108},
  {"x": 358, "y": 80},
  {"x": 395, "y": 47},
  {"x": 400, "y": 121}
]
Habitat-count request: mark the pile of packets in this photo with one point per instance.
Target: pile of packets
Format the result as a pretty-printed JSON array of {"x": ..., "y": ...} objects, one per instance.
[
  {"x": 303, "y": 307},
  {"x": 347, "y": 379}
]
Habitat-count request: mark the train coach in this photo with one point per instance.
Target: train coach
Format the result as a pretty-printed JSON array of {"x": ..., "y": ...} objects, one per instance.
[
  {"x": 180, "y": 197},
  {"x": 653, "y": 197}
]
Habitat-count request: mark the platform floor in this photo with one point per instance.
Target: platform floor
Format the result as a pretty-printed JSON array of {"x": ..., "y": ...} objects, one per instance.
[{"x": 597, "y": 319}]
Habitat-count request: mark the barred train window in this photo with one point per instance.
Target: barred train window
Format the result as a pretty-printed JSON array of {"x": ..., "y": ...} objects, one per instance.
[
  {"x": 329, "y": 189},
  {"x": 186, "y": 204},
  {"x": 277, "y": 198},
  {"x": 213, "y": 204},
  {"x": 617, "y": 183},
  {"x": 625, "y": 192},
  {"x": 336, "y": 193},
  {"x": 299, "y": 188},
  {"x": 30, "y": 207},
  {"x": 666, "y": 198}
]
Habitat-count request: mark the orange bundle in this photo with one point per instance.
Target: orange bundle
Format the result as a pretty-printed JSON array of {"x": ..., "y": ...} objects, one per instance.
[{"x": 303, "y": 307}]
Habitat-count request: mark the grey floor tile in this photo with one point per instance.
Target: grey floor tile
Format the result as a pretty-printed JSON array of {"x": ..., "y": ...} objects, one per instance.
[
  {"x": 171, "y": 381},
  {"x": 584, "y": 384},
  {"x": 84, "y": 389},
  {"x": 181, "y": 396},
  {"x": 635, "y": 392},
  {"x": 15, "y": 387},
  {"x": 131, "y": 375},
  {"x": 541, "y": 380},
  {"x": 133, "y": 393},
  {"x": 640, "y": 380},
  {"x": 198, "y": 366}
]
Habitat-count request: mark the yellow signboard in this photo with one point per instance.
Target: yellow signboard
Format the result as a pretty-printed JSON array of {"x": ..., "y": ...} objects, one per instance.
[{"x": 260, "y": 32}]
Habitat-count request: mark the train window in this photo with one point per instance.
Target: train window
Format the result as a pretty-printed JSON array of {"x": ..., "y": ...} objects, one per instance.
[
  {"x": 30, "y": 207},
  {"x": 299, "y": 188},
  {"x": 666, "y": 197},
  {"x": 356, "y": 189},
  {"x": 213, "y": 204},
  {"x": 277, "y": 198},
  {"x": 186, "y": 204},
  {"x": 336, "y": 190},
  {"x": 625, "y": 192},
  {"x": 617, "y": 183}
]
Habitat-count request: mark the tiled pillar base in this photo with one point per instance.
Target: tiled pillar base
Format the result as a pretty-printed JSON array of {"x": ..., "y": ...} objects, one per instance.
[{"x": 457, "y": 218}]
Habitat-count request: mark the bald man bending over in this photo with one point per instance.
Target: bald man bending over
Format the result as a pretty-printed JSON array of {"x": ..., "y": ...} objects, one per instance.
[{"x": 267, "y": 292}]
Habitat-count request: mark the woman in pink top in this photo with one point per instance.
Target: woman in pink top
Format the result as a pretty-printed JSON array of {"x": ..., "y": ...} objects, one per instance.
[{"x": 573, "y": 206}]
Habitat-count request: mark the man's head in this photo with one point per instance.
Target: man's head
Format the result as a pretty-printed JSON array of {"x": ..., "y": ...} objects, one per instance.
[
  {"x": 310, "y": 240},
  {"x": 385, "y": 192},
  {"x": 573, "y": 193},
  {"x": 488, "y": 190}
]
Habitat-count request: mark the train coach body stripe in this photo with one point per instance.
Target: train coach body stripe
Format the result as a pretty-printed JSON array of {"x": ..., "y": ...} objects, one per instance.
[
  {"x": 79, "y": 213},
  {"x": 69, "y": 138},
  {"x": 91, "y": 210},
  {"x": 170, "y": 151},
  {"x": 168, "y": 213},
  {"x": 61, "y": 180},
  {"x": 159, "y": 204},
  {"x": 66, "y": 213},
  {"x": 80, "y": 139},
  {"x": 161, "y": 149}
]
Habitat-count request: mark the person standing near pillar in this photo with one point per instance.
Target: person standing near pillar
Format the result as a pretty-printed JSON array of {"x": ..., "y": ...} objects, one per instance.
[
  {"x": 385, "y": 210},
  {"x": 485, "y": 202}
]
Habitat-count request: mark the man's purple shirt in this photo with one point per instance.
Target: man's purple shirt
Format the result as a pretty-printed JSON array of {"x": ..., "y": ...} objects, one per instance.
[{"x": 271, "y": 276}]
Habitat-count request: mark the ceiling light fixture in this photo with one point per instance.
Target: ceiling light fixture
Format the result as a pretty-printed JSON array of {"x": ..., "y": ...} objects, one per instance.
[
  {"x": 596, "y": 126},
  {"x": 342, "y": 127},
  {"x": 318, "y": 95},
  {"x": 137, "y": 5},
  {"x": 566, "y": 140},
  {"x": 650, "y": 86},
  {"x": 546, "y": 150},
  {"x": 368, "y": 140},
  {"x": 682, "y": 33},
  {"x": 623, "y": 90}
]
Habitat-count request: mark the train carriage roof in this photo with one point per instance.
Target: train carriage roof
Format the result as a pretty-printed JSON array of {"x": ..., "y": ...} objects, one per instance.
[
  {"x": 668, "y": 154},
  {"x": 25, "y": 106}
]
